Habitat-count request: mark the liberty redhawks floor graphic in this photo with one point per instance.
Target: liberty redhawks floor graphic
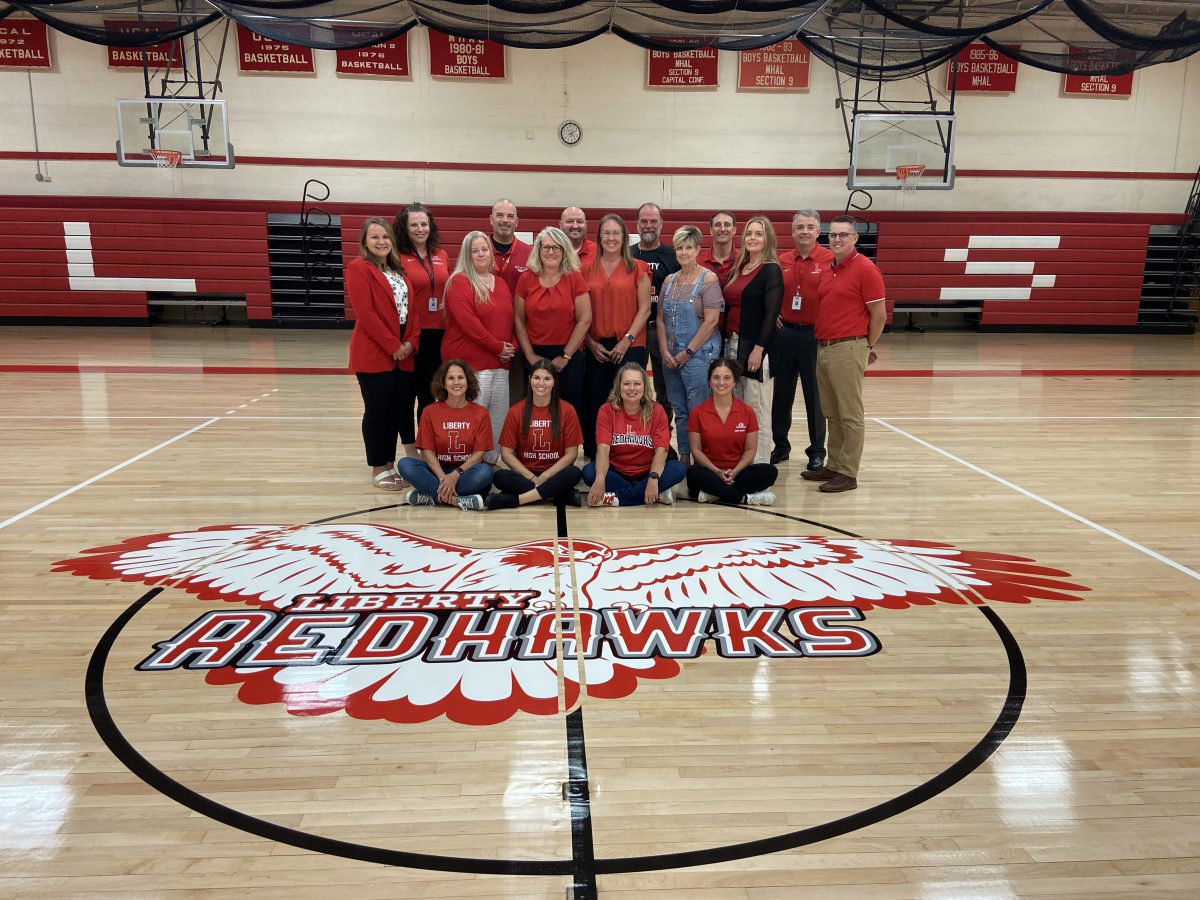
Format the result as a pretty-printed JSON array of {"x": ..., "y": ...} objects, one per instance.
[{"x": 387, "y": 624}]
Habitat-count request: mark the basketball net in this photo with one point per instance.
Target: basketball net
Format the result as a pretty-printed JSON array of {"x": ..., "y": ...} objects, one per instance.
[
  {"x": 909, "y": 177},
  {"x": 167, "y": 159}
]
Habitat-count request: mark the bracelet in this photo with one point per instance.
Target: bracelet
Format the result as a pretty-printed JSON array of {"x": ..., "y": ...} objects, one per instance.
[
  {"x": 566, "y": 356},
  {"x": 870, "y": 346}
]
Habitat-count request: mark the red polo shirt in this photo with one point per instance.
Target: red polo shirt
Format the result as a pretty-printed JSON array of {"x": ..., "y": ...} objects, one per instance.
[
  {"x": 512, "y": 264},
  {"x": 586, "y": 253},
  {"x": 720, "y": 268},
  {"x": 846, "y": 288},
  {"x": 801, "y": 280},
  {"x": 723, "y": 442}
]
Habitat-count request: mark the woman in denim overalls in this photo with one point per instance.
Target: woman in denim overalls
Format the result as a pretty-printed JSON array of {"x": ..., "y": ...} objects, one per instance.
[{"x": 689, "y": 308}]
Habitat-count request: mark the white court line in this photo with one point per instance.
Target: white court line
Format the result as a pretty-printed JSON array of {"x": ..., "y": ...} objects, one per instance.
[
  {"x": 1042, "y": 500},
  {"x": 976, "y": 418},
  {"x": 189, "y": 418},
  {"x": 21, "y": 515}
]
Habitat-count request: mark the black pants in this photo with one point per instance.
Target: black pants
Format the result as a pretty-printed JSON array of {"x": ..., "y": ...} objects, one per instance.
[
  {"x": 752, "y": 479},
  {"x": 557, "y": 485},
  {"x": 570, "y": 379},
  {"x": 794, "y": 356},
  {"x": 387, "y": 411},
  {"x": 598, "y": 382},
  {"x": 425, "y": 365},
  {"x": 660, "y": 377}
]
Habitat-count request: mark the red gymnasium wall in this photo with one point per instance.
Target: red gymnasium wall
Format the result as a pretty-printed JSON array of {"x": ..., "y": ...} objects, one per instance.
[{"x": 98, "y": 258}]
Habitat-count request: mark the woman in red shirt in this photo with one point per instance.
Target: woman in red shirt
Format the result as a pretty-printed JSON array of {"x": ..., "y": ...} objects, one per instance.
[
  {"x": 427, "y": 269},
  {"x": 539, "y": 444},
  {"x": 553, "y": 311},
  {"x": 723, "y": 436},
  {"x": 386, "y": 334},
  {"x": 619, "y": 287},
  {"x": 632, "y": 439},
  {"x": 479, "y": 327},
  {"x": 453, "y": 436}
]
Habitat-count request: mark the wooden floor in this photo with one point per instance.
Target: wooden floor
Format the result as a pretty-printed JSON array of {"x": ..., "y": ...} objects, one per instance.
[{"x": 954, "y": 763}]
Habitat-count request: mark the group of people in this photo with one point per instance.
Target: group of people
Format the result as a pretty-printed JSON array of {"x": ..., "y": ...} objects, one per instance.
[{"x": 726, "y": 331}]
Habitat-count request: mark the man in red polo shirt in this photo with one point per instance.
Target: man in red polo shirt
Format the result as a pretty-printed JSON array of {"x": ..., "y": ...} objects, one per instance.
[
  {"x": 722, "y": 254},
  {"x": 573, "y": 222},
  {"x": 509, "y": 253},
  {"x": 794, "y": 352},
  {"x": 849, "y": 322}
]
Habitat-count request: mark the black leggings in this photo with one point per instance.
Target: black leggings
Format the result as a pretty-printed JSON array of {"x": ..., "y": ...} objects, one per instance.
[
  {"x": 570, "y": 379},
  {"x": 752, "y": 479},
  {"x": 387, "y": 411},
  {"x": 557, "y": 485},
  {"x": 426, "y": 362}
]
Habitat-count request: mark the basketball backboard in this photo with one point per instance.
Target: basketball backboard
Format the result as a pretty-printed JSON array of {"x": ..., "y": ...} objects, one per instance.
[
  {"x": 882, "y": 141},
  {"x": 198, "y": 129}
]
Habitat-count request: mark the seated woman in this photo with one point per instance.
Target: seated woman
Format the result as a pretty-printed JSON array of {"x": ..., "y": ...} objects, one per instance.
[
  {"x": 723, "y": 436},
  {"x": 453, "y": 436},
  {"x": 539, "y": 444},
  {"x": 632, "y": 439}
]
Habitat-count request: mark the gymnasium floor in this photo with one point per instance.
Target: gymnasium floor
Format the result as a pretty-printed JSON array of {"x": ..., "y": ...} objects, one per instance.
[{"x": 1031, "y": 731}]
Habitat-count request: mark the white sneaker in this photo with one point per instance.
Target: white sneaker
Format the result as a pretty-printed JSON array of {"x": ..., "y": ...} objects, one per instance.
[
  {"x": 760, "y": 498},
  {"x": 610, "y": 500},
  {"x": 702, "y": 497},
  {"x": 416, "y": 498},
  {"x": 470, "y": 502},
  {"x": 666, "y": 497}
]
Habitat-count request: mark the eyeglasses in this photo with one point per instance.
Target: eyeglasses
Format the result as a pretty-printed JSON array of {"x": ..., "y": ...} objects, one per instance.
[
  {"x": 551, "y": 248},
  {"x": 839, "y": 235}
]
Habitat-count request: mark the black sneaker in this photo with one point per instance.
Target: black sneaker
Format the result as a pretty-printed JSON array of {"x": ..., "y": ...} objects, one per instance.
[
  {"x": 502, "y": 501},
  {"x": 574, "y": 498}
]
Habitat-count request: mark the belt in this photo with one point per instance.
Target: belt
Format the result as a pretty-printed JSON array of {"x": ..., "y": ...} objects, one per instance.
[
  {"x": 832, "y": 341},
  {"x": 798, "y": 326}
]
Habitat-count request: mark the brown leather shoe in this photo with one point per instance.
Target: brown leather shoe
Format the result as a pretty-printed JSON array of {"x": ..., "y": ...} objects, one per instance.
[
  {"x": 821, "y": 474},
  {"x": 839, "y": 483}
]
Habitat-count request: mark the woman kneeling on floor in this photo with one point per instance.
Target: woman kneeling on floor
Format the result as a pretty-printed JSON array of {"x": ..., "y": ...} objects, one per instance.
[
  {"x": 539, "y": 443},
  {"x": 723, "y": 436},
  {"x": 452, "y": 438},
  {"x": 632, "y": 439}
]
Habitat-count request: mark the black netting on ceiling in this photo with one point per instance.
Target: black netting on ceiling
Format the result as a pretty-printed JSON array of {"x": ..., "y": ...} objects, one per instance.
[{"x": 885, "y": 39}]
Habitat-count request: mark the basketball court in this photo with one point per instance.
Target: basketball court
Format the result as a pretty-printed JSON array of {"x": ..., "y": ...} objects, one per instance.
[{"x": 973, "y": 677}]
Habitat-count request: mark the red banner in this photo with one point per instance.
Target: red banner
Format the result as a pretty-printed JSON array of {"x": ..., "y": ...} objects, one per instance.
[
  {"x": 984, "y": 69},
  {"x": 262, "y": 54},
  {"x": 451, "y": 56},
  {"x": 780, "y": 67},
  {"x": 1099, "y": 85},
  {"x": 158, "y": 56},
  {"x": 24, "y": 44},
  {"x": 681, "y": 68},
  {"x": 389, "y": 59}
]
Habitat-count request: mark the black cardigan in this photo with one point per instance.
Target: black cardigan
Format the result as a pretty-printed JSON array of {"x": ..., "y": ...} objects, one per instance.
[{"x": 761, "y": 302}]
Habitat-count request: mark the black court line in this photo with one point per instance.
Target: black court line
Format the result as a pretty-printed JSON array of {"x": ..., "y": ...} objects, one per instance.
[{"x": 582, "y": 867}]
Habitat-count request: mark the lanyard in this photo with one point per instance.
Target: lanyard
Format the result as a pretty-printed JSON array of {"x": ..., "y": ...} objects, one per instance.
[{"x": 427, "y": 264}]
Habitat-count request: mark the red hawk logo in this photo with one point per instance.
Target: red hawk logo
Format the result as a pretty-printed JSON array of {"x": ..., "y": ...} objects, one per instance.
[{"x": 384, "y": 623}]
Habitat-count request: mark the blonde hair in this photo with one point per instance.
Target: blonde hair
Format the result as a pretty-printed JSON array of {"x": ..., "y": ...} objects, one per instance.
[
  {"x": 466, "y": 268},
  {"x": 570, "y": 260},
  {"x": 687, "y": 234},
  {"x": 768, "y": 254},
  {"x": 614, "y": 395},
  {"x": 393, "y": 258}
]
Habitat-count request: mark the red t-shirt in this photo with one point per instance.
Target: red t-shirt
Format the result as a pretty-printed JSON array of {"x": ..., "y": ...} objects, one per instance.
[
  {"x": 537, "y": 449},
  {"x": 454, "y": 434},
  {"x": 632, "y": 442},
  {"x": 550, "y": 311},
  {"x": 427, "y": 277},
  {"x": 723, "y": 442},
  {"x": 513, "y": 264},
  {"x": 846, "y": 288},
  {"x": 476, "y": 332},
  {"x": 801, "y": 279},
  {"x": 614, "y": 299}
]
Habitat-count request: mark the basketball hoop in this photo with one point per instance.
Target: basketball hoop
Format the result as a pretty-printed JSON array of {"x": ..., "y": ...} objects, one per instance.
[
  {"x": 909, "y": 177},
  {"x": 167, "y": 159}
]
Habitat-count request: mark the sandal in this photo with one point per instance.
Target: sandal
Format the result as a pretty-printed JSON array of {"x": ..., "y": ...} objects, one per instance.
[{"x": 389, "y": 480}]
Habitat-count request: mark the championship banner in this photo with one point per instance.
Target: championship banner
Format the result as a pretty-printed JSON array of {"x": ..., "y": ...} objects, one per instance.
[
  {"x": 1098, "y": 85},
  {"x": 158, "y": 56},
  {"x": 24, "y": 44},
  {"x": 451, "y": 56},
  {"x": 388, "y": 59},
  {"x": 681, "y": 68},
  {"x": 262, "y": 54},
  {"x": 780, "y": 67},
  {"x": 982, "y": 69}
]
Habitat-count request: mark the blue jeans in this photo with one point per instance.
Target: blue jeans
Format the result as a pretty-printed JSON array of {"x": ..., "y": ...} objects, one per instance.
[
  {"x": 475, "y": 480},
  {"x": 633, "y": 493},
  {"x": 688, "y": 388}
]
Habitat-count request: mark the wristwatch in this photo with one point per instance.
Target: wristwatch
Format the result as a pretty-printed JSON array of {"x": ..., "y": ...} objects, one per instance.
[{"x": 654, "y": 476}]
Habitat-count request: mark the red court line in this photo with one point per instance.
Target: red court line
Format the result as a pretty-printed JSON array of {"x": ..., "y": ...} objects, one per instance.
[{"x": 331, "y": 370}]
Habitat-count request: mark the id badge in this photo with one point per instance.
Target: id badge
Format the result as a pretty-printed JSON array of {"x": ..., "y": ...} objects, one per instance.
[
  {"x": 796, "y": 299},
  {"x": 433, "y": 304}
]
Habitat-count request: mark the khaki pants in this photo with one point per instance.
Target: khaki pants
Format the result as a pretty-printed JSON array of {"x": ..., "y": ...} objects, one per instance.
[
  {"x": 758, "y": 395},
  {"x": 840, "y": 371}
]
